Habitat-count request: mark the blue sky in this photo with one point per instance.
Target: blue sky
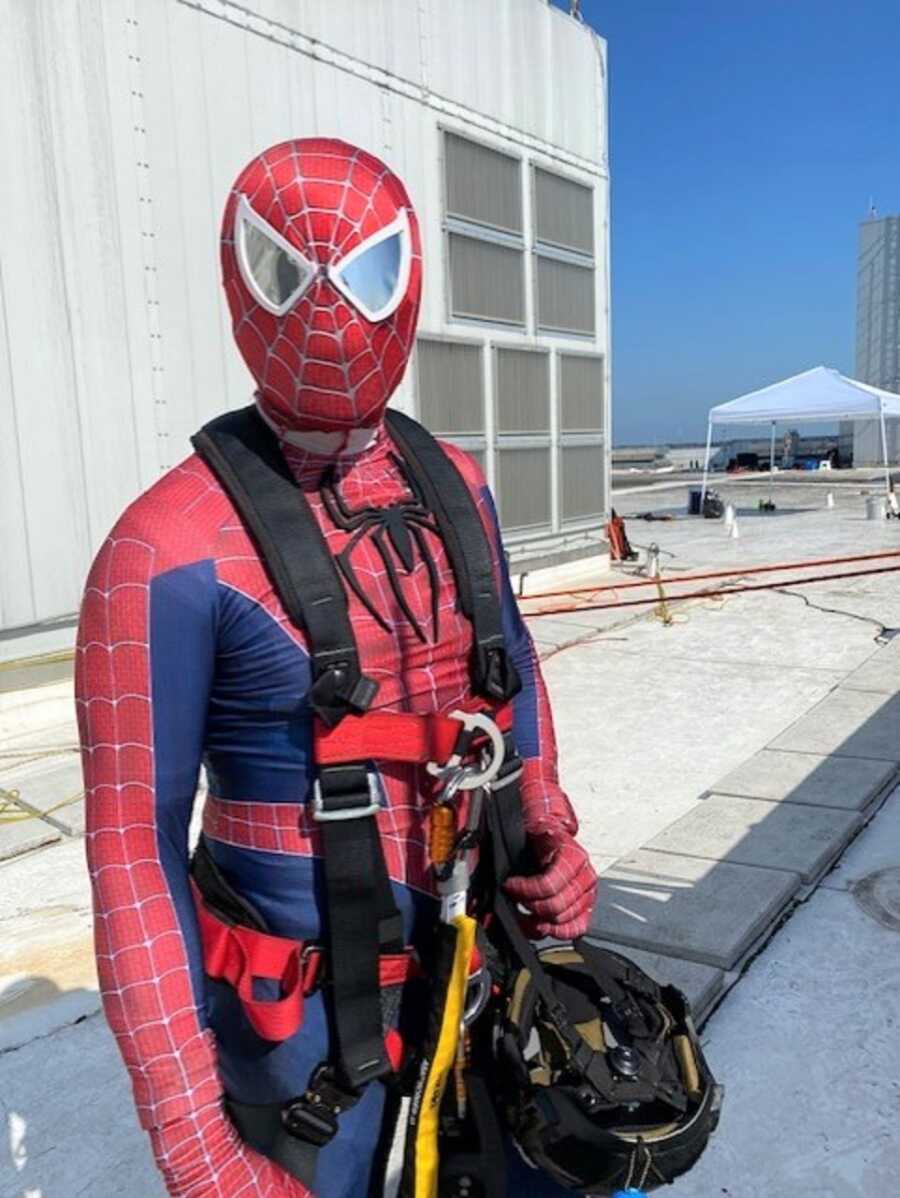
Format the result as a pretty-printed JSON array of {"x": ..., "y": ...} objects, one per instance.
[{"x": 746, "y": 139}]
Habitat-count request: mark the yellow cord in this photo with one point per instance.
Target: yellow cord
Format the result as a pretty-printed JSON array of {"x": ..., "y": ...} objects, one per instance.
[
  {"x": 9, "y": 799},
  {"x": 40, "y": 659}
]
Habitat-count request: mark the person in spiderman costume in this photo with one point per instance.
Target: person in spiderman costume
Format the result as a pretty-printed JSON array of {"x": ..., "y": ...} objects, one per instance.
[{"x": 186, "y": 657}]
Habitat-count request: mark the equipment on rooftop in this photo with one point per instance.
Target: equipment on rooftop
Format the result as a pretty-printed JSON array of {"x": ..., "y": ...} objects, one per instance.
[
  {"x": 820, "y": 395},
  {"x": 601, "y": 1077},
  {"x": 893, "y": 506},
  {"x": 619, "y": 548},
  {"x": 713, "y": 505}
]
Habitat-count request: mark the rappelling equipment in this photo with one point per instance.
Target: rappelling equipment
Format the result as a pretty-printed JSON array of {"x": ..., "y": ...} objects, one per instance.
[
  {"x": 601, "y": 1078},
  {"x": 619, "y": 547},
  {"x": 595, "y": 1069},
  {"x": 365, "y": 953}
]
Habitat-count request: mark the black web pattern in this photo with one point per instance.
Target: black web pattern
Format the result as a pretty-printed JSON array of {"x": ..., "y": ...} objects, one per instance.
[{"x": 398, "y": 534}]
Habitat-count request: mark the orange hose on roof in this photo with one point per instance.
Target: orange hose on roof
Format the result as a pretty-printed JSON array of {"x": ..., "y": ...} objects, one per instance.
[
  {"x": 719, "y": 594},
  {"x": 737, "y": 571}
]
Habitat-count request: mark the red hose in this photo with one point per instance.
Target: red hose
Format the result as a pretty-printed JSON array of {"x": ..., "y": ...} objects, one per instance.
[
  {"x": 647, "y": 582},
  {"x": 731, "y": 590}
]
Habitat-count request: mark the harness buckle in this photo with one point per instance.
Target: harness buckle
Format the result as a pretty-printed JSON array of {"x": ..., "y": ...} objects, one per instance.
[
  {"x": 313, "y": 1116},
  {"x": 312, "y": 966},
  {"x": 313, "y": 1123},
  {"x": 343, "y": 804}
]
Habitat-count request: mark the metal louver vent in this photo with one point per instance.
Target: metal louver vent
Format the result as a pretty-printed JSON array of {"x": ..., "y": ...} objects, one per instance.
[
  {"x": 565, "y": 296},
  {"x": 523, "y": 391},
  {"x": 581, "y": 470},
  {"x": 581, "y": 378},
  {"x": 482, "y": 185},
  {"x": 449, "y": 386},
  {"x": 486, "y": 280},
  {"x": 523, "y": 487},
  {"x": 564, "y": 212}
]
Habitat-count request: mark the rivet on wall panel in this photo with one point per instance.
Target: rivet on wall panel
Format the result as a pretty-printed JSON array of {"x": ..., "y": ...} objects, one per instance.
[{"x": 148, "y": 238}]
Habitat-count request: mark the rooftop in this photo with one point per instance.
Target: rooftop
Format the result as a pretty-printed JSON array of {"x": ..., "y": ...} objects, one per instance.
[{"x": 735, "y": 773}]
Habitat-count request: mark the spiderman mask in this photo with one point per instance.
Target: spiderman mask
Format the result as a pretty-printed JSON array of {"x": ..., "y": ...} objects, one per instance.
[{"x": 322, "y": 267}]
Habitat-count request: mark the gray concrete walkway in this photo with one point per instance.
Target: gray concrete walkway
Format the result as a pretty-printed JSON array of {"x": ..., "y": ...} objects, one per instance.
[
  {"x": 808, "y": 1049},
  {"x": 749, "y": 741}
]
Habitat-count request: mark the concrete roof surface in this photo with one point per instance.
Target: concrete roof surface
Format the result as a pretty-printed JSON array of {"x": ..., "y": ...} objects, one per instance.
[{"x": 721, "y": 765}]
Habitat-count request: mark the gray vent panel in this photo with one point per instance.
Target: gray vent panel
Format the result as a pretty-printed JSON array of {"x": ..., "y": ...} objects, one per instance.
[
  {"x": 565, "y": 296},
  {"x": 581, "y": 380},
  {"x": 581, "y": 469},
  {"x": 523, "y": 486},
  {"x": 482, "y": 185},
  {"x": 523, "y": 391},
  {"x": 449, "y": 386},
  {"x": 564, "y": 212},
  {"x": 486, "y": 280}
]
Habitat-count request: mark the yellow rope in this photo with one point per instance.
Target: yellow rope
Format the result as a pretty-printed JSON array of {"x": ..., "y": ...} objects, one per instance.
[
  {"x": 9, "y": 799},
  {"x": 37, "y": 753},
  {"x": 40, "y": 659}
]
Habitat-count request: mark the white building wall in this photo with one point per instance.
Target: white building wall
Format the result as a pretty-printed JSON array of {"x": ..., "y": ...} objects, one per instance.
[{"x": 125, "y": 122}]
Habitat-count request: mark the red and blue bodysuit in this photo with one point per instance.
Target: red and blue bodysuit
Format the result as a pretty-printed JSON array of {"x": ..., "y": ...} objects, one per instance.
[{"x": 186, "y": 658}]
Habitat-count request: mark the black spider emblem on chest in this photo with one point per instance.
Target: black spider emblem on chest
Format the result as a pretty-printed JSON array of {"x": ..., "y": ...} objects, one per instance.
[{"x": 398, "y": 534}]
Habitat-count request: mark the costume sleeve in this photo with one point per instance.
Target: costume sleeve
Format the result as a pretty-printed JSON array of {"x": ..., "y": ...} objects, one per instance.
[
  {"x": 145, "y": 660},
  {"x": 144, "y": 665},
  {"x": 544, "y": 803}
]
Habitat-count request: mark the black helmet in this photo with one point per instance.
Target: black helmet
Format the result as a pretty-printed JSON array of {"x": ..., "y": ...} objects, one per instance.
[{"x": 602, "y": 1080}]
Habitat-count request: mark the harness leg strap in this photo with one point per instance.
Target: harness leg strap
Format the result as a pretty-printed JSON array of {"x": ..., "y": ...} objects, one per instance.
[
  {"x": 262, "y": 1128},
  {"x": 363, "y": 920}
]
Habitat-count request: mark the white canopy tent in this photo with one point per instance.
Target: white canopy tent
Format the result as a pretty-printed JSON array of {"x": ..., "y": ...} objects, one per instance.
[{"x": 820, "y": 394}]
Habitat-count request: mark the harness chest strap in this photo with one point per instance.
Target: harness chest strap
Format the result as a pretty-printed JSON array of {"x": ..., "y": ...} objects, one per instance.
[{"x": 244, "y": 454}]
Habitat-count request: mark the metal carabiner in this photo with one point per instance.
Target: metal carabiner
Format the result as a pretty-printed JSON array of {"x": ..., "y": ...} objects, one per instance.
[
  {"x": 474, "y": 721},
  {"x": 458, "y": 780},
  {"x": 480, "y": 983}
]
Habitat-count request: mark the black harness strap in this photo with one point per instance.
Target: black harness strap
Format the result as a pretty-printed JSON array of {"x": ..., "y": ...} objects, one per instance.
[
  {"x": 462, "y": 532},
  {"x": 242, "y": 451},
  {"x": 362, "y": 917},
  {"x": 363, "y": 921},
  {"x": 508, "y": 841}
]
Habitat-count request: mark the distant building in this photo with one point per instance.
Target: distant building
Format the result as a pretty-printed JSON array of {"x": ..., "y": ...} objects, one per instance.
[
  {"x": 638, "y": 457},
  {"x": 787, "y": 452},
  {"x": 877, "y": 328}
]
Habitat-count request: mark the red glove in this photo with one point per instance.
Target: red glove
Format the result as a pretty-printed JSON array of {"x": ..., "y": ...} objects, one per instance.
[
  {"x": 202, "y": 1156},
  {"x": 561, "y": 896}
]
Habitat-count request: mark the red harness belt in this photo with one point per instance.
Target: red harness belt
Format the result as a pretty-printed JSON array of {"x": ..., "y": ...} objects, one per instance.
[{"x": 397, "y": 736}]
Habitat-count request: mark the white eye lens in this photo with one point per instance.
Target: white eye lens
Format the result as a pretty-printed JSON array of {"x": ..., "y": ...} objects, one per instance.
[
  {"x": 373, "y": 277},
  {"x": 275, "y": 272}
]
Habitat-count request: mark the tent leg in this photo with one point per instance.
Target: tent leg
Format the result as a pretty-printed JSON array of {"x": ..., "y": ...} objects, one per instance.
[
  {"x": 884, "y": 452},
  {"x": 706, "y": 464},
  {"x": 772, "y": 462}
]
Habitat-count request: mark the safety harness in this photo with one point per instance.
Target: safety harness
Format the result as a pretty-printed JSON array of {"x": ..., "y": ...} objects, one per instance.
[{"x": 365, "y": 956}]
